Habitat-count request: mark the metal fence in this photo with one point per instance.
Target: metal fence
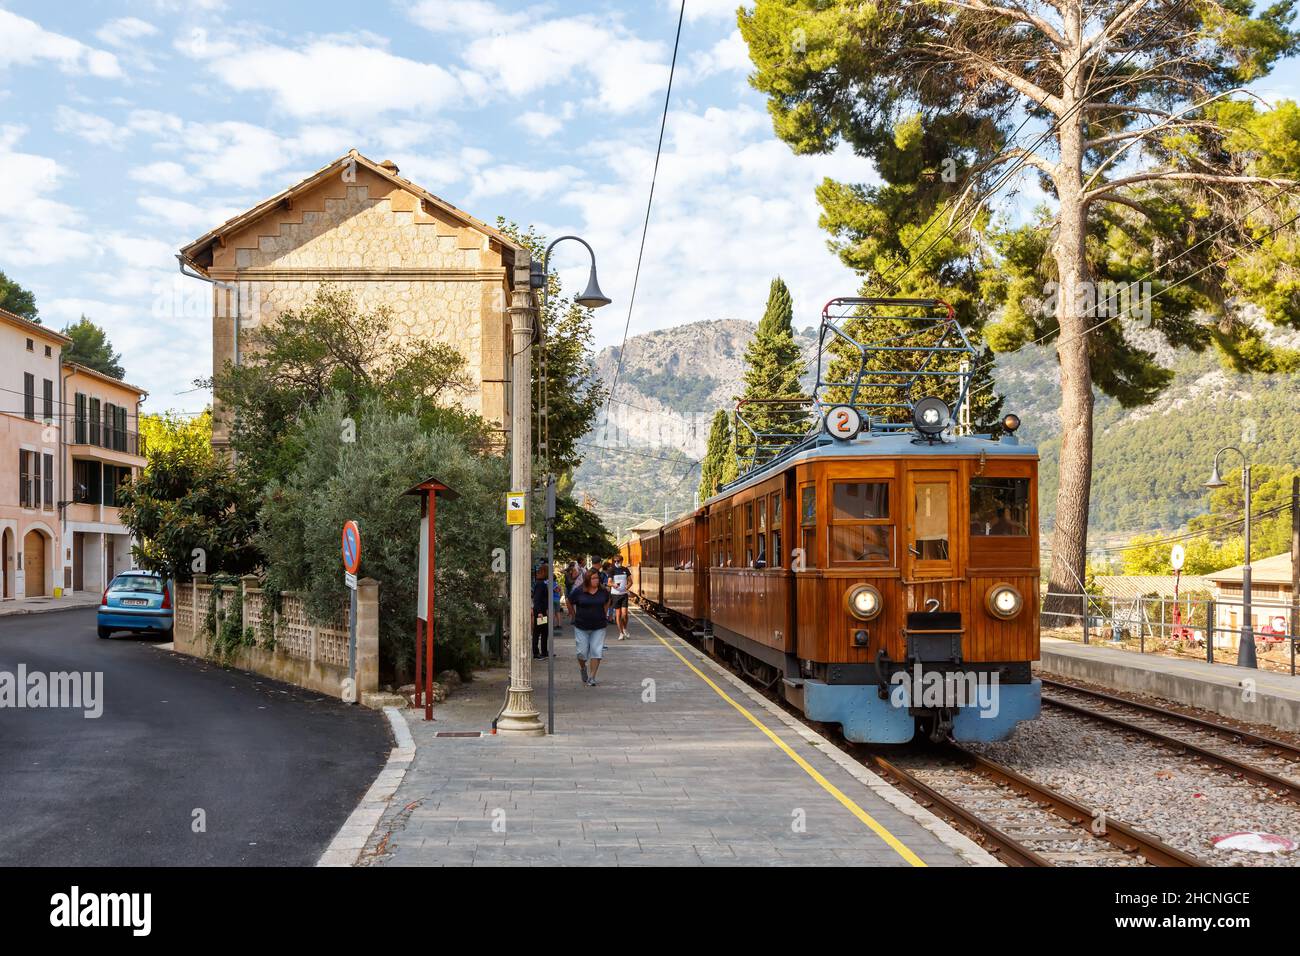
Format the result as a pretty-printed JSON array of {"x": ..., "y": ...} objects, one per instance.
[{"x": 1195, "y": 625}]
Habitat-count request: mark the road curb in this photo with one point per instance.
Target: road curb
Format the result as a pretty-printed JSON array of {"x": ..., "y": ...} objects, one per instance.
[
  {"x": 20, "y": 611},
  {"x": 346, "y": 847}
]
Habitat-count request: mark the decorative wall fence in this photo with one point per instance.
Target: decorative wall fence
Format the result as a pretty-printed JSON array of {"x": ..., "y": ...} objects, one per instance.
[{"x": 284, "y": 643}]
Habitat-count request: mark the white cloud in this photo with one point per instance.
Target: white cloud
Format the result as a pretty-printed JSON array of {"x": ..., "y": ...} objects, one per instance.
[
  {"x": 165, "y": 174},
  {"x": 122, "y": 31},
  {"x": 185, "y": 218},
  {"x": 329, "y": 77},
  {"x": 733, "y": 208},
  {"x": 512, "y": 180},
  {"x": 36, "y": 229},
  {"x": 95, "y": 129},
  {"x": 521, "y": 54},
  {"x": 24, "y": 42},
  {"x": 728, "y": 55},
  {"x": 540, "y": 125},
  {"x": 457, "y": 16}
]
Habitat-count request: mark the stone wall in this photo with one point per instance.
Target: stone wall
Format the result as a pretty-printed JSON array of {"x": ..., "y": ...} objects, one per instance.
[{"x": 300, "y": 651}]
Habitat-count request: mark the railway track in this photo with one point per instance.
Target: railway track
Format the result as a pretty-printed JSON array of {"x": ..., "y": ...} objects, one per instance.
[
  {"x": 1264, "y": 760},
  {"x": 1022, "y": 822}
]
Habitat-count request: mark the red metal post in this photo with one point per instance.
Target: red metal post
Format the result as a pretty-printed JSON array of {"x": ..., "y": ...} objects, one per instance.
[
  {"x": 419, "y": 662},
  {"x": 428, "y": 621}
]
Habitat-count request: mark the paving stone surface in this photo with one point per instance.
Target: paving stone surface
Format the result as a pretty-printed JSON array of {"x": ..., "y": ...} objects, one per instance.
[{"x": 682, "y": 779}]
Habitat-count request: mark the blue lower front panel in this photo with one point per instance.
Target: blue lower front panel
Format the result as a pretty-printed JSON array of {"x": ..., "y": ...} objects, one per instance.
[
  {"x": 135, "y": 622},
  {"x": 867, "y": 718}
]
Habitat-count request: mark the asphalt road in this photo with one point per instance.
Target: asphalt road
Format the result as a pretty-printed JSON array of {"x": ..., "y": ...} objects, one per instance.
[{"x": 274, "y": 768}]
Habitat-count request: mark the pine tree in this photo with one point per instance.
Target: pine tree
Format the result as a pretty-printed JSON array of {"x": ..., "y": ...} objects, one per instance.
[
  {"x": 773, "y": 364},
  {"x": 90, "y": 347},
  {"x": 719, "y": 450}
]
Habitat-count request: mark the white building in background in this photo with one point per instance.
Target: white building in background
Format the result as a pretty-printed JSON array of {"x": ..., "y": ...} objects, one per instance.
[{"x": 1270, "y": 598}]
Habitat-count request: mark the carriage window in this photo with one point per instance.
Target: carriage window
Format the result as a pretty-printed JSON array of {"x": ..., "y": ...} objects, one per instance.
[
  {"x": 749, "y": 534},
  {"x": 999, "y": 507},
  {"x": 860, "y": 527},
  {"x": 858, "y": 500},
  {"x": 930, "y": 523},
  {"x": 760, "y": 539},
  {"x": 775, "y": 558},
  {"x": 808, "y": 524}
]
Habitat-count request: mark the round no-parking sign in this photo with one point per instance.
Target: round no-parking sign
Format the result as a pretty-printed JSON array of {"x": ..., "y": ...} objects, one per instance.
[{"x": 351, "y": 547}]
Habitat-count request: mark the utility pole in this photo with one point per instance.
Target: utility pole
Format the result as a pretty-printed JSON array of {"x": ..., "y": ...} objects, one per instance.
[
  {"x": 520, "y": 715},
  {"x": 1295, "y": 560}
]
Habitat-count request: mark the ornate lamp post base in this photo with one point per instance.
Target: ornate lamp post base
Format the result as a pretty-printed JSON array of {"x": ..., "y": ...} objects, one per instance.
[{"x": 520, "y": 718}]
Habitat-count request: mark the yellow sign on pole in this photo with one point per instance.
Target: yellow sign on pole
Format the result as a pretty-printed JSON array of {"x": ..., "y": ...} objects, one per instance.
[{"x": 516, "y": 510}]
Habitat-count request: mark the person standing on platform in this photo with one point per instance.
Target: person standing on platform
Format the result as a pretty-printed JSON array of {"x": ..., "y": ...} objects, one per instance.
[
  {"x": 541, "y": 607},
  {"x": 588, "y": 605},
  {"x": 620, "y": 579}
]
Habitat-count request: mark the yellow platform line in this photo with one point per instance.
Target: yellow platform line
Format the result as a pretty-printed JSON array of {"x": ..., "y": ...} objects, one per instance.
[{"x": 876, "y": 827}]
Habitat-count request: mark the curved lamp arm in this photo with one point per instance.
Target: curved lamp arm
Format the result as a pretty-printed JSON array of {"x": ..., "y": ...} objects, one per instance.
[{"x": 591, "y": 297}]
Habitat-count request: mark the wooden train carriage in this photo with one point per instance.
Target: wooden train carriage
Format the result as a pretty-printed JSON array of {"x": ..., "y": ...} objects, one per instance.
[
  {"x": 683, "y": 572},
  {"x": 938, "y": 529},
  {"x": 650, "y": 578},
  {"x": 630, "y": 549}
]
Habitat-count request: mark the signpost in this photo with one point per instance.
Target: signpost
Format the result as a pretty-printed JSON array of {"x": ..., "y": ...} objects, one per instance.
[
  {"x": 351, "y": 564},
  {"x": 428, "y": 490},
  {"x": 1177, "y": 555}
]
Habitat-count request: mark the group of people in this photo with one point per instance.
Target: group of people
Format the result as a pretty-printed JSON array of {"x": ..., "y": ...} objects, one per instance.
[{"x": 594, "y": 597}]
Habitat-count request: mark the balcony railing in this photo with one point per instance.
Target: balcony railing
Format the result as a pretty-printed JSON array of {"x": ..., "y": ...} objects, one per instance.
[{"x": 114, "y": 439}]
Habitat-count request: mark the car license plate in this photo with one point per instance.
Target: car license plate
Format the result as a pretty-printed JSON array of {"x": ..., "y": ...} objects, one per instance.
[{"x": 134, "y": 602}]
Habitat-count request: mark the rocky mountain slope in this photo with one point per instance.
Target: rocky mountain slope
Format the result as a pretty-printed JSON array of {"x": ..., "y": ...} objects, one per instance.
[{"x": 1149, "y": 464}]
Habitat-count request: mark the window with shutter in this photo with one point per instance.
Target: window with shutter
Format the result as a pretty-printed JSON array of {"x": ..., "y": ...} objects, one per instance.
[
  {"x": 49, "y": 483},
  {"x": 24, "y": 479},
  {"x": 81, "y": 418},
  {"x": 29, "y": 395}
]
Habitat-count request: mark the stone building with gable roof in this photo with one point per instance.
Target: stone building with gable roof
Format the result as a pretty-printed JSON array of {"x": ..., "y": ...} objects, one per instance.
[{"x": 358, "y": 224}]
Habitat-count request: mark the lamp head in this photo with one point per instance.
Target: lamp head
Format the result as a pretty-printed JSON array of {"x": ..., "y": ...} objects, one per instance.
[
  {"x": 930, "y": 416},
  {"x": 1215, "y": 481},
  {"x": 592, "y": 297}
]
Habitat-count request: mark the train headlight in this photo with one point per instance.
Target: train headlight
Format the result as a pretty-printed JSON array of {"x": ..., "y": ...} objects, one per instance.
[
  {"x": 1003, "y": 601},
  {"x": 863, "y": 602},
  {"x": 931, "y": 415}
]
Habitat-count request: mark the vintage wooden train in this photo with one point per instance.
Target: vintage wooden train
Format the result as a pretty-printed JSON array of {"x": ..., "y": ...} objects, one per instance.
[{"x": 881, "y": 575}]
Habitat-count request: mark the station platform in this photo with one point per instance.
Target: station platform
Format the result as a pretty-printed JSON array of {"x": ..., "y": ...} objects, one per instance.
[
  {"x": 1255, "y": 696},
  {"x": 669, "y": 761}
]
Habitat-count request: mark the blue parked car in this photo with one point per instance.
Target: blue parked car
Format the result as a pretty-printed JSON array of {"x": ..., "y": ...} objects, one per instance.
[{"x": 136, "y": 601}]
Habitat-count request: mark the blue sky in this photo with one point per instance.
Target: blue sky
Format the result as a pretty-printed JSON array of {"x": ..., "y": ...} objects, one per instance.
[{"x": 128, "y": 128}]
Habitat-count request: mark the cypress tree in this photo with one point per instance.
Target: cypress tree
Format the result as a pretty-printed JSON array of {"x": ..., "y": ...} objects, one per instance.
[
  {"x": 719, "y": 450},
  {"x": 773, "y": 364}
]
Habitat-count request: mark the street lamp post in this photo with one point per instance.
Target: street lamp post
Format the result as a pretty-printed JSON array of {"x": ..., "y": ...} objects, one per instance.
[
  {"x": 1246, "y": 643},
  {"x": 592, "y": 298}
]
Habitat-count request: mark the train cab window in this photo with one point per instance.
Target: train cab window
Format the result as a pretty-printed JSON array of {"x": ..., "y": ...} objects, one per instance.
[
  {"x": 930, "y": 521},
  {"x": 775, "y": 556},
  {"x": 808, "y": 524},
  {"x": 861, "y": 529},
  {"x": 999, "y": 507}
]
